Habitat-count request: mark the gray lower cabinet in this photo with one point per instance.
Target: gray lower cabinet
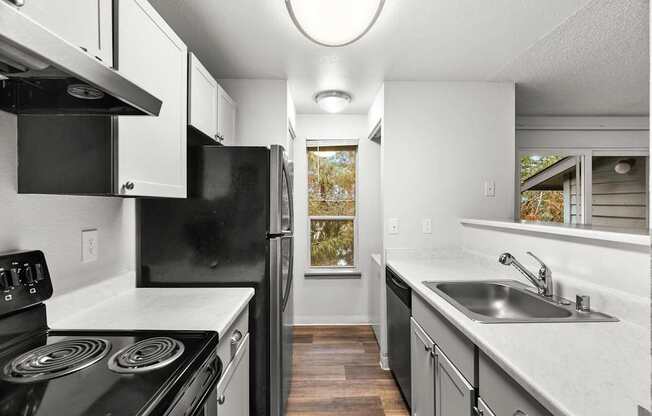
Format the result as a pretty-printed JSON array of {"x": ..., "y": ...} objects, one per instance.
[
  {"x": 454, "y": 396},
  {"x": 500, "y": 392},
  {"x": 423, "y": 371},
  {"x": 233, "y": 388},
  {"x": 447, "y": 368},
  {"x": 483, "y": 409}
]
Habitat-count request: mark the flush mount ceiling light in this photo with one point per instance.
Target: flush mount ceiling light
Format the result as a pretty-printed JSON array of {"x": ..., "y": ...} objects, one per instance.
[
  {"x": 334, "y": 22},
  {"x": 623, "y": 167},
  {"x": 332, "y": 101}
]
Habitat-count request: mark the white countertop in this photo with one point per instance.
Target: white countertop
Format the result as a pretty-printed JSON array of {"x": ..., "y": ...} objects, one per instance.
[
  {"x": 205, "y": 309},
  {"x": 573, "y": 369},
  {"x": 640, "y": 237}
]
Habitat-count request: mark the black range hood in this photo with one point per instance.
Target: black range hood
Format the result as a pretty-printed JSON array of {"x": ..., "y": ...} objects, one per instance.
[{"x": 41, "y": 73}]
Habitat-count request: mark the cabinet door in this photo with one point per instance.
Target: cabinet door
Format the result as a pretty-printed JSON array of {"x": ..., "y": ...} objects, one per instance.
[
  {"x": 202, "y": 105},
  {"x": 226, "y": 118},
  {"x": 233, "y": 388},
  {"x": 454, "y": 395},
  {"x": 423, "y": 372},
  {"x": 152, "y": 150},
  {"x": 84, "y": 23},
  {"x": 483, "y": 409}
]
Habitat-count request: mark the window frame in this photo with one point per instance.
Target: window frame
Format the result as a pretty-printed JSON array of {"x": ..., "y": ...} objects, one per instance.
[
  {"x": 334, "y": 270},
  {"x": 585, "y": 155}
]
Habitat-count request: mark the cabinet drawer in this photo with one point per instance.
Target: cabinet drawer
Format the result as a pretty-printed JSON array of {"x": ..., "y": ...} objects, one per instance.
[
  {"x": 232, "y": 338},
  {"x": 503, "y": 395},
  {"x": 459, "y": 350}
]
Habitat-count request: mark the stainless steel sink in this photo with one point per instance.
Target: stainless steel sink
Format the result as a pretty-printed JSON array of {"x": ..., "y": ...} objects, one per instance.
[{"x": 508, "y": 301}]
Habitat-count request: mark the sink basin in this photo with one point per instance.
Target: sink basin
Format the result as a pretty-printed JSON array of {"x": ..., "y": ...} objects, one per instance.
[{"x": 509, "y": 301}]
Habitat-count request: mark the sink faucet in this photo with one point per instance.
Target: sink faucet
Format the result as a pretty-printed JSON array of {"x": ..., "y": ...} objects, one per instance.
[{"x": 543, "y": 282}]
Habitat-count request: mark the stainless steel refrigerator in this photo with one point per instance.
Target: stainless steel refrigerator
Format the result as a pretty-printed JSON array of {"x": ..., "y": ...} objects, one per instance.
[{"x": 234, "y": 230}]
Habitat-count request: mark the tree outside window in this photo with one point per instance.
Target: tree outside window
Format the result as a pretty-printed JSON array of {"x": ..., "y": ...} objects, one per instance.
[{"x": 332, "y": 205}]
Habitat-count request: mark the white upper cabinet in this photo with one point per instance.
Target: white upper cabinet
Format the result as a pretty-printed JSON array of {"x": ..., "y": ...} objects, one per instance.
[
  {"x": 87, "y": 24},
  {"x": 203, "y": 98},
  {"x": 152, "y": 150},
  {"x": 226, "y": 117}
]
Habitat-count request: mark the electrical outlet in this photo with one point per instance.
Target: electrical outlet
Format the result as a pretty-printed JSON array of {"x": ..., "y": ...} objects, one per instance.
[
  {"x": 90, "y": 245},
  {"x": 393, "y": 226},
  {"x": 490, "y": 188},
  {"x": 426, "y": 226}
]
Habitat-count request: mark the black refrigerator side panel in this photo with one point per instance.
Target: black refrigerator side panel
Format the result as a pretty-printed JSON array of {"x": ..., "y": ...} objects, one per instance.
[{"x": 216, "y": 238}]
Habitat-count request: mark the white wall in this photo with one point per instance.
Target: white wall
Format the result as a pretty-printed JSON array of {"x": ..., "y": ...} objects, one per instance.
[
  {"x": 53, "y": 224},
  {"x": 262, "y": 110},
  {"x": 441, "y": 142},
  {"x": 324, "y": 300}
]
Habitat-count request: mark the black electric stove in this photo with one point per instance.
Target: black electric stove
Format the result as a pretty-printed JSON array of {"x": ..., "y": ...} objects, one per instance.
[{"x": 95, "y": 372}]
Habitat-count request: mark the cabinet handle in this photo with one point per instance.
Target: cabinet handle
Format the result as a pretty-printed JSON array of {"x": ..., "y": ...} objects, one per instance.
[
  {"x": 236, "y": 337},
  {"x": 221, "y": 399},
  {"x": 129, "y": 185},
  {"x": 18, "y": 3},
  {"x": 477, "y": 411},
  {"x": 519, "y": 412}
]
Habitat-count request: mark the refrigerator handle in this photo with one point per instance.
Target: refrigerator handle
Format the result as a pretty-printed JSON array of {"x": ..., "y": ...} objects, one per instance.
[
  {"x": 288, "y": 179},
  {"x": 288, "y": 286}
]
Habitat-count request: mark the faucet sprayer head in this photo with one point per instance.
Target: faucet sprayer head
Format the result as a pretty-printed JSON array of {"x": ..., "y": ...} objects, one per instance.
[{"x": 506, "y": 259}]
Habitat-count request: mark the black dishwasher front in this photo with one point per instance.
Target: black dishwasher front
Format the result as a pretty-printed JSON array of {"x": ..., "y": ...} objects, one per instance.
[{"x": 399, "y": 310}]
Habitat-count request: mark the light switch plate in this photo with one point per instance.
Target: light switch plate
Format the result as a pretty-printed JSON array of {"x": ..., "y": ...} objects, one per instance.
[
  {"x": 393, "y": 226},
  {"x": 90, "y": 245},
  {"x": 490, "y": 189},
  {"x": 426, "y": 226}
]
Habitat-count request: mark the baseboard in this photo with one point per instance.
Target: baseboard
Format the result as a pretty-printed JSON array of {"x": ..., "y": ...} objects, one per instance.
[
  {"x": 384, "y": 363},
  {"x": 331, "y": 320}
]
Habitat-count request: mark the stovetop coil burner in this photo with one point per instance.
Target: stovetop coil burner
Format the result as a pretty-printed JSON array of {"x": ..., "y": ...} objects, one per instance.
[
  {"x": 146, "y": 355},
  {"x": 55, "y": 360}
]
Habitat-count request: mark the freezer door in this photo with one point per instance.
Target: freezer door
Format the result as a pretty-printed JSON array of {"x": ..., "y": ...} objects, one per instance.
[
  {"x": 281, "y": 206},
  {"x": 281, "y": 321}
]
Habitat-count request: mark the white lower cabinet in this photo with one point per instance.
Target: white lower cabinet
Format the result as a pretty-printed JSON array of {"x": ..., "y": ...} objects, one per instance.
[
  {"x": 233, "y": 387},
  {"x": 423, "y": 371}
]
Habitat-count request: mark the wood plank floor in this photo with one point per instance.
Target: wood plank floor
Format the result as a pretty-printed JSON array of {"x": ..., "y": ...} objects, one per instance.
[{"x": 336, "y": 372}]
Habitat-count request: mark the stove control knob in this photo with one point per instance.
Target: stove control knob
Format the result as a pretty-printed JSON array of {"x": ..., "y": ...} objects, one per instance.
[
  {"x": 5, "y": 279},
  {"x": 28, "y": 274},
  {"x": 40, "y": 273},
  {"x": 16, "y": 274}
]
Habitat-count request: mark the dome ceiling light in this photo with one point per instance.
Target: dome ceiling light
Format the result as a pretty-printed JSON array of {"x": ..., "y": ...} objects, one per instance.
[
  {"x": 334, "y": 22},
  {"x": 332, "y": 101},
  {"x": 624, "y": 166}
]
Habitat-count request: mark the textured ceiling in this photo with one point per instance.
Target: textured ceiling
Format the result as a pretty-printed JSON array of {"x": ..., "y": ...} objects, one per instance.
[
  {"x": 595, "y": 63},
  {"x": 565, "y": 55}
]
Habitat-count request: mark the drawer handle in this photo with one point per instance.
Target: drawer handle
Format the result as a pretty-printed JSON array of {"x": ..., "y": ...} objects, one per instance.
[
  {"x": 519, "y": 412},
  {"x": 221, "y": 400},
  {"x": 129, "y": 185},
  {"x": 237, "y": 336}
]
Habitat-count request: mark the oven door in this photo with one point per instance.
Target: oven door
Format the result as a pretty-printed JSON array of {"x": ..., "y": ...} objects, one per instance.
[
  {"x": 209, "y": 406},
  {"x": 198, "y": 397}
]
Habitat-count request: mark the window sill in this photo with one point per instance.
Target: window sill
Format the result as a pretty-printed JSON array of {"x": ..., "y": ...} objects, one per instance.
[
  {"x": 333, "y": 274},
  {"x": 615, "y": 235}
]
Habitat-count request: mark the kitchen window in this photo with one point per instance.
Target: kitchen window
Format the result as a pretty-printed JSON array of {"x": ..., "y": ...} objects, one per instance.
[
  {"x": 332, "y": 206},
  {"x": 585, "y": 186}
]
